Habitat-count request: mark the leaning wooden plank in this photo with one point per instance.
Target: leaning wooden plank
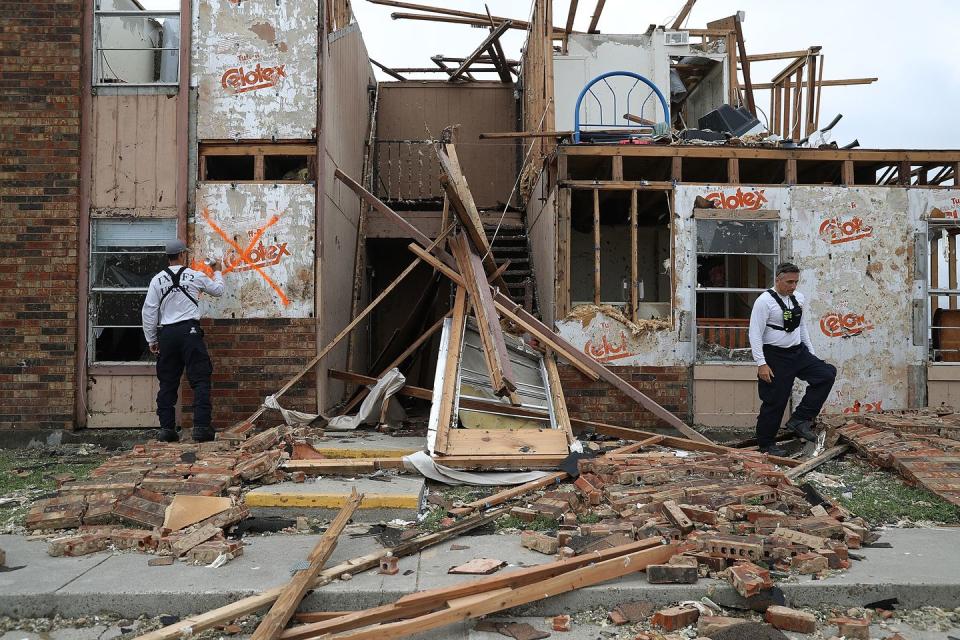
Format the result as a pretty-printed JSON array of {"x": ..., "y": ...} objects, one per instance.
[
  {"x": 595, "y": 18},
  {"x": 515, "y": 312},
  {"x": 451, "y": 369},
  {"x": 684, "y": 12},
  {"x": 813, "y": 463},
  {"x": 488, "y": 323},
  {"x": 424, "y": 601},
  {"x": 556, "y": 393},
  {"x": 487, "y": 43},
  {"x": 351, "y": 466},
  {"x": 562, "y": 583},
  {"x": 518, "y": 24},
  {"x": 279, "y": 614},
  {"x": 192, "y": 625}
]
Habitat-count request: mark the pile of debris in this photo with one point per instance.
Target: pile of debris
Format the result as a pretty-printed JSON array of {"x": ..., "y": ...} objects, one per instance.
[{"x": 181, "y": 498}]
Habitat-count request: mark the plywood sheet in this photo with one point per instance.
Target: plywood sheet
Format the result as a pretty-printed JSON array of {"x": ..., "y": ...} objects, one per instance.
[
  {"x": 480, "y": 442},
  {"x": 273, "y": 226},
  {"x": 255, "y": 69},
  {"x": 122, "y": 401}
]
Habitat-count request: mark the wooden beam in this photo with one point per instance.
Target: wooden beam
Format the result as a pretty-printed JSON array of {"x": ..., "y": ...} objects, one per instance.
[
  {"x": 293, "y": 592},
  {"x": 596, "y": 247},
  {"x": 557, "y": 398},
  {"x": 813, "y": 463},
  {"x": 845, "y": 82},
  {"x": 745, "y": 67},
  {"x": 847, "y": 173},
  {"x": 571, "y": 16},
  {"x": 634, "y": 258},
  {"x": 682, "y": 16},
  {"x": 484, "y": 46},
  {"x": 473, "y": 22},
  {"x": 451, "y": 368},
  {"x": 779, "y": 55},
  {"x": 483, "y": 19},
  {"x": 811, "y": 106},
  {"x": 424, "y": 601},
  {"x": 502, "y": 377},
  {"x": 878, "y": 156},
  {"x": 733, "y": 90},
  {"x": 595, "y": 18},
  {"x": 194, "y": 624},
  {"x": 497, "y": 54},
  {"x": 387, "y": 70}
]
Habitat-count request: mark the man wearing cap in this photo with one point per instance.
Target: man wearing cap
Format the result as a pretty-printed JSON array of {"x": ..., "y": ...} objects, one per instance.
[
  {"x": 783, "y": 352},
  {"x": 171, "y": 325}
]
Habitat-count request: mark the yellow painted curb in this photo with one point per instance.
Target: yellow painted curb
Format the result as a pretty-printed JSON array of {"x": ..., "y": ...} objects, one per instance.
[
  {"x": 331, "y": 500},
  {"x": 339, "y": 454}
]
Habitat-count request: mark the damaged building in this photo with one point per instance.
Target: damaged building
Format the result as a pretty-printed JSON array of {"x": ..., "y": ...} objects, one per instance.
[{"x": 628, "y": 192}]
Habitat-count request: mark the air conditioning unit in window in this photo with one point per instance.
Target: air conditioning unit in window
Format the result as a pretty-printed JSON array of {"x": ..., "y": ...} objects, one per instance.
[{"x": 679, "y": 38}]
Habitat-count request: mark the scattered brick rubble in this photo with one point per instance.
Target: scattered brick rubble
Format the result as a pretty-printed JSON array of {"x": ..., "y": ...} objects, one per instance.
[
  {"x": 133, "y": 490},
  {"x": 738, "y": 514},
  {"x": 895, "y": 442}
]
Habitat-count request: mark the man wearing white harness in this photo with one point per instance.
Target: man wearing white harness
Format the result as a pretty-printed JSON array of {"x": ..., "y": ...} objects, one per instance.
[
  {"x": 171, "y": 325},
  {"x": 783, "y": 352}
]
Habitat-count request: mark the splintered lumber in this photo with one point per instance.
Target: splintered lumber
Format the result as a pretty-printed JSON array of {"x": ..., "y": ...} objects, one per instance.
[
  {"x": 813, "y": 463},
  {"x": 278, "y": 616},
  {"x": 450, "y": 368},
  {"x": 582, "y": 362},
  {"x": 486, "y": 44},
  {"x": 421, "y": 602},
  {"x": 684, "y": 12},
  {"x": 510, "y": 494},
  {"x": 595, "y": 18},
  {"x": 556, "y": 393},
  {"x": 201, "y": 622},
  {"x": 488, "y": 323},
  {"x": 481, "y": 18},
  {"x": 498, "y": 599}
]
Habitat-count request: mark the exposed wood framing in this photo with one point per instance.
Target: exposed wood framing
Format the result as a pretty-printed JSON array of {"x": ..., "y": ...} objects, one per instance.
[
  {"x": 595, "y": 18},
  {"x": 387, "y": 70},
  {"x": 538, "y": 109},
  {"x": 571, "y": 16},
  {"x": 293, "y": 592},
  {"x": 488, "y": 324},
  {"x": 484, "y": 46},
  {"x": 557, "y": 398},
  {"x": 596, "y": 246},
  {"x": 845, "y": 82},
  {"x": 451, "y": 367},
  {"x": 634, "y": 258},
  {"x": 515, "y": 312},
  {"x": 682, "y": 16},
  {"x": 745, "y": 66},
  {"x": 496, "y": 53},
  {"x": 813, "y": 463}
]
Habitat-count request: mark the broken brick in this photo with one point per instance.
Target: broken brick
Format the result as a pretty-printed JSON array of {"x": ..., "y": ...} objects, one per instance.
[
  {"x": 676, "y": 515},
  {"x": 523, "y": 514},
  {"x": 135, "y": 539},
  {"x": 749, "y": 579},
  {"x": 808, "y": 563},
  {"x": 852, "y": 628},
  {"x": 789, "y": 619},
  {"x": 540, "y": 542},
  {"x": 672, "y": 573},
  {"x": 560, "y": 623},
  {"x": 675, "y": 618},
  {"x": 80, "y": 545},
  {"x": 208, "y": 552},
  {"x": 64, "y": 512},
  {"x": 709, "y": 625},
  {"x": 144, "y": 507},
  {"x": 193, "y": 538},
  {"x": 160, "y": 561},
  {"x": 389, "y": 565}
]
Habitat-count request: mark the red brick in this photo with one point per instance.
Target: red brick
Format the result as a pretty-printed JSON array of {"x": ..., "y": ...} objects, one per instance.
[
  {"x": 675, "y": 618},
  {"x": 789, "y": 619},
  {"x": 561, "y": 623}
]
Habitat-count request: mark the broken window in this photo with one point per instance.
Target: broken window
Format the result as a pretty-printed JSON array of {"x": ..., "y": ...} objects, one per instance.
[
  {"x": 736, "y": 262},
  {"x": 620, "y": 250},
  {"x": 124, "y": 255},
  {"x": 134, "y": 46},
  {"x": 243, "y": 162},
  {"x": 944, "y": 311}
]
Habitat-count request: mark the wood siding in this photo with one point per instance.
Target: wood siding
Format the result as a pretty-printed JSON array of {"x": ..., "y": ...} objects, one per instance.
[
  {"x": 542, "y": 219},
  {"x": 134, "y": 155},
  {"x": 421, "y": 110},
  {"x": 122, "y": 401},
  {"x": 725, "y": 395}
]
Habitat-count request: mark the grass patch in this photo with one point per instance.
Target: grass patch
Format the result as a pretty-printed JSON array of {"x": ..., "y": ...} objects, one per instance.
[
  {"x": 433, "y": 519},
  {"x": 883, "y": 498},
  {"x": 540, "y": 523},
  {"x": 588, "y": 518}
]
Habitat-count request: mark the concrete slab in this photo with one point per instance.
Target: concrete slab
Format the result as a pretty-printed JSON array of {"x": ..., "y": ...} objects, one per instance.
[
  {"x": 367, "y": 444},
  {"x": 386, "y": 498}
]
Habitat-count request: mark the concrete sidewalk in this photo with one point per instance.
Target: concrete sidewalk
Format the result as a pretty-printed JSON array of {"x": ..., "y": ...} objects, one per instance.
[{"x": 922, "y": 568}]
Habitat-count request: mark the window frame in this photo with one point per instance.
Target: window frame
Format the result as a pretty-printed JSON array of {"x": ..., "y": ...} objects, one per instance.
[
  {"x": 258, "y": 151},
  {"x": 93, "y": 290},
  {"x": 933, "y": 270},
  {"x": 96, "y": 41},
  {"x": 768, "y": 216}
]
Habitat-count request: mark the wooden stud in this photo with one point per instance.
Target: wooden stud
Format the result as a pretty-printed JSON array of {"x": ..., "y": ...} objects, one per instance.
[
  {"x": 563, "y": 251},
  {"x": 776, "y": 96},
  {"x": 595, "y": 18},
  {"x": 847, "y": 173},
  {"x": 596, "y": 246},
  {"x": 279, "y": 615},
  {"x": 608, "y": 185},
  {"x": 258, "y": 168},
  {"x": 617, "y": 168},
  {"x": 451, "y": 370},
  {"x": 797, "y": 104},
  {"x": 811, "y": 95},
  {"x": 816, "y": 115},
  {"x": 560, "y": 412},
  {"x": 488, "y": 323},
  {"x": 684, "y": 12},
  {"x": 904, "y": 172},
  {"x": 733, "y": 170},
  {"x": 790, "y": 174},
  {"x": 676, "y": 168},
  {"x": 733, "y": 90},
  {"x": 634, "y": 258},
  {"x": 745, "y": 65},
  {"x": 571, "y": 16}
]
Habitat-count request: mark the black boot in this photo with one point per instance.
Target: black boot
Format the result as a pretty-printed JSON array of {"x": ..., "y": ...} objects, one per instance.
[
  {"x": 168, "y": 435},
  {"x": 204, "y": 435},
  {"x": 803, "y": 428},
  {"x": 774, "y": 450}
]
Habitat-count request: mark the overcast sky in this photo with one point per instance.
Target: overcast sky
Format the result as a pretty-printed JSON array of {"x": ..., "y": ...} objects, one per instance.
[{"x": 910, "y": 46}]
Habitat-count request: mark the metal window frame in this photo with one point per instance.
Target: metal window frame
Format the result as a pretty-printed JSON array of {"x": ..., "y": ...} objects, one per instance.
[{"x": 97, "y": 63}]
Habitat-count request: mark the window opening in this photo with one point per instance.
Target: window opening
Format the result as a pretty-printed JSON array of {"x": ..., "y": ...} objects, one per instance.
[
  {"x": 136, "y": 42},
  {"x": 943, "y": 314},
  {"x": 125, "y": 255}
]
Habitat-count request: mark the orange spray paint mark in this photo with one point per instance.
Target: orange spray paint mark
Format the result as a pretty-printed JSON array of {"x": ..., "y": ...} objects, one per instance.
[{"x": 244, "y": 253}]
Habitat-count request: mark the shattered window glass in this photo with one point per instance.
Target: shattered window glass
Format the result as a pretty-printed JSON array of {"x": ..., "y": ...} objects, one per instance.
[
  {"x": 737, "y": 236},
  {"x": 136, "y": 44}
]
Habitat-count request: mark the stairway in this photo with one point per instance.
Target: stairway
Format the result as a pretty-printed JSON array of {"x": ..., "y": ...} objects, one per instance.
[{"x": 511, "y": 244}]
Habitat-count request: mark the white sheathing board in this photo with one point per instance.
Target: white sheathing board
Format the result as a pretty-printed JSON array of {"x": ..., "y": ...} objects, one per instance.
[
  {"x": 855, "y": 246},
  {"x": 590, "y": 55},
  {"x": 265, "y": 235},
  {"x": 255, "y": 69}
]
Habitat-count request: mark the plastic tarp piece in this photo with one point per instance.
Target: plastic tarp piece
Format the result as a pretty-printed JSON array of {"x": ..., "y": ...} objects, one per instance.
[
  {"x": 422, "y": 463},
  {"x": 290, "y": 416},
  {"x": 380, "y": 393}
]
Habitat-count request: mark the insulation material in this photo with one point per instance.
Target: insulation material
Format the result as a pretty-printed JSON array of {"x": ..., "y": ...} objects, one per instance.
[
  {"x": 255, "y": 68},
  {"x": 855, "y": 246},
  {"x": 372, "y": 408},
  {"x": 264, "y": 235},
  {"x": 422, "y": 463}
]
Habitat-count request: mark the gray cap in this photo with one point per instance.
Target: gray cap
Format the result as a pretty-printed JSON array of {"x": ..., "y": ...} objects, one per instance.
[{"x": 175, "y": 247}]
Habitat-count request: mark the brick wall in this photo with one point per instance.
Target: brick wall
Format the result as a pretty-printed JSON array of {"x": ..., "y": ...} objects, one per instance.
[
  {"x": 600, "y": 402},
  {"x": 40, "y": 49},
  {"x": 251, "y": 360}
]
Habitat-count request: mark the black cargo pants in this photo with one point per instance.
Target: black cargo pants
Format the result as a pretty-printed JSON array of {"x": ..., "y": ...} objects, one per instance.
[
  {"x": 788, "y": 364},
  {"x": 182, "y": 347}
]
